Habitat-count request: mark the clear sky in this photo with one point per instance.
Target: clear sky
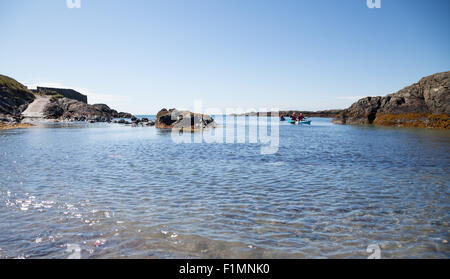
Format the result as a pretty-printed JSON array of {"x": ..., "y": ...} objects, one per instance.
[{"x": 142, "y": 55}]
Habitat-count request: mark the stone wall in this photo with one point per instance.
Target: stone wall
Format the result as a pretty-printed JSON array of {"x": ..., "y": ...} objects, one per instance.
[{"x": 68, "y": 93}]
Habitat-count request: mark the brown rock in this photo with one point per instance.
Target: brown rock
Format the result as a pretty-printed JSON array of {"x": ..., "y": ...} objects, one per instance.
[
  {"x": 184, "y": 120},
  {"x": 423, "y": 104}
]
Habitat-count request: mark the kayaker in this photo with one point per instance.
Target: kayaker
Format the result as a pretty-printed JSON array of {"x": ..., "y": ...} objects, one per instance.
[
  {"x": 301, "y": 117},
  {"x": 293, "y": 117},
  {"x": 282, "y": 118}
]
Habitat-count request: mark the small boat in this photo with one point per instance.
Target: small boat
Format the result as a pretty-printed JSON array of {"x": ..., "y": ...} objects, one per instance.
[
  {"x": 282, "y": 119},
  {"x": 303, "y": 122}
]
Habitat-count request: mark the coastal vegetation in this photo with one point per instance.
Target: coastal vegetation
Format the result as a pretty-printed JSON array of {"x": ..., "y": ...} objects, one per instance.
[
  {"x": 13, "y": 85},
  {"x": 56, "y": 97}
]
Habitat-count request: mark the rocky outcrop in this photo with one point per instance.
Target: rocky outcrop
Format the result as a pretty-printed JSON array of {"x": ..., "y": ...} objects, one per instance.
[
  {"x": 423, "y": 104},
  {"x": 184, "y": 120},
  {"x": 14, "y": 98},
  {"x": 114, "y": 114},
  {"x": 65, "y": 109},
  {"x": 65, "y": 104},
  {"x": 136, "y": 122},
  {"x": 9, "y": 119}
]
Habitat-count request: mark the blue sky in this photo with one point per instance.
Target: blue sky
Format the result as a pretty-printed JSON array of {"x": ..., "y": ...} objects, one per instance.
[{"x": 142, "y": 55}]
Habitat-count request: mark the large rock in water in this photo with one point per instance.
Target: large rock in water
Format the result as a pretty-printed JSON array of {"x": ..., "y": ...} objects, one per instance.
[
  {"x": 184, "y": 120},
  {"x": 72, "y": 110},
  {"x": 423, "y": 104}
]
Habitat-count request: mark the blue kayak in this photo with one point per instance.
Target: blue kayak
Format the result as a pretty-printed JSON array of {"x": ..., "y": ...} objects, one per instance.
[{"x": 304, "y": 122}]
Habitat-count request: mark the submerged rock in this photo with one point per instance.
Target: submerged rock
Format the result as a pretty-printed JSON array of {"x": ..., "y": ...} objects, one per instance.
[
  {"x": 176, "y": 119},
  {"x": 145, "y": 122},
  {"x": 423, "y": 104}
]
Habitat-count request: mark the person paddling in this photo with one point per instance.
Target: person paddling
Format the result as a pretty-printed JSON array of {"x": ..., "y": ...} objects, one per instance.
[{"x": 301, "y": 117}]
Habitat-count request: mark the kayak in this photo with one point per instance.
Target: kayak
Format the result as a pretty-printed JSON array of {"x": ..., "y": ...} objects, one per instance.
[
  {"x": 304, "y": 122},
  {"x": 282, "y": 119}
]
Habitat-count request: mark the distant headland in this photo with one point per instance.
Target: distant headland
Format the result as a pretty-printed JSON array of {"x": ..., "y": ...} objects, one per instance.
[
  {"x": 321, "y": 113},
  {"x": 425, "y": 104}
]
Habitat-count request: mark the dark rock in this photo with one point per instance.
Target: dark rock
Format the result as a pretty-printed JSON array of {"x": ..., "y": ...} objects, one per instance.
[
  {"x": 7, "y": 119},
  {"x": 103, "y": 108},
  {"x": 123, "y": 121},
  {"x": 73, "y": 110},
  {"x": 149, "y": 123},
  {"x": 170, "y": 119},
  {"x": 116, "y": 114},
  {"x": 417, "y": 105},
  {"x": 54, "y": 110}
]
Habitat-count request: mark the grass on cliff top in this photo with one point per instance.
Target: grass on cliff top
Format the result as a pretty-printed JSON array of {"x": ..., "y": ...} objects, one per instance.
[
  {"x": 56, "y": 97},
  {"x": 19, "y": 92},
  {"x": 12, "y": 83}
]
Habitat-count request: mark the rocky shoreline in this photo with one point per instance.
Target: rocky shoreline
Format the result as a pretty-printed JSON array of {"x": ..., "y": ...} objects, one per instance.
[
  {"x": 15, "y": 98},
  {"x": 65, "y": 109},
  {"x": 425, "y": 104}
]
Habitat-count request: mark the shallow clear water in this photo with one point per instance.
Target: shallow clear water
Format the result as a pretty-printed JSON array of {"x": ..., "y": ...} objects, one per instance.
[{"x": 111, "y": 191}]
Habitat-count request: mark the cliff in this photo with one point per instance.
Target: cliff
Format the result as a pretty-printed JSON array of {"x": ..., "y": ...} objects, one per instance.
[
  {"x": 14, "y": 98},
  {"x": 424, "y": 104}
]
